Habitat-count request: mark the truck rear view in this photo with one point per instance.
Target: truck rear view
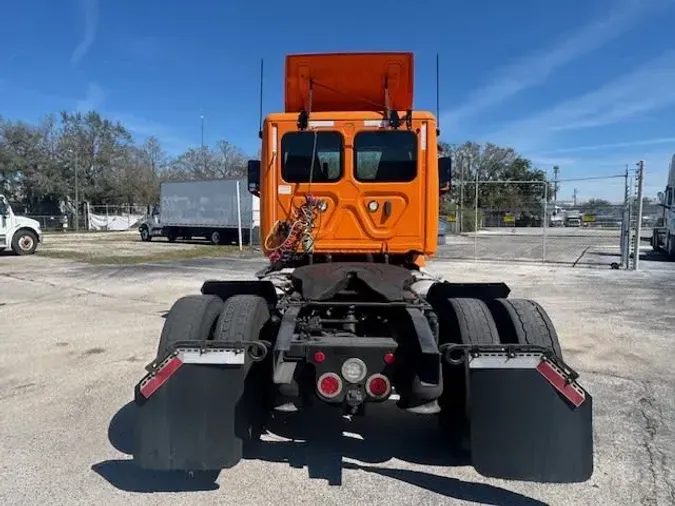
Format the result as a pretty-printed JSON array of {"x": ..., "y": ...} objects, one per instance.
[{"x": 345, "y": 315}]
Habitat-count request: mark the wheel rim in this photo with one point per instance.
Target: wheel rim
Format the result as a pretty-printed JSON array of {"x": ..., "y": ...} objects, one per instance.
[
  {"x": 26, "y": 243},
  {"x": 144, "y": 233},
  {"x": 215, "y": 237}
]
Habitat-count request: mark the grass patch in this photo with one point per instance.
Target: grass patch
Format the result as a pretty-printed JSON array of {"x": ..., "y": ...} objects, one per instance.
[{"x": 106, "y": 258}]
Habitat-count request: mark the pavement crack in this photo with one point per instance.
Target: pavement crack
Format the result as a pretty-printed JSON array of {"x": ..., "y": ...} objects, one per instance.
[
  {"x": 84, "y": 291},
  {"x": 653, "y": 419}
]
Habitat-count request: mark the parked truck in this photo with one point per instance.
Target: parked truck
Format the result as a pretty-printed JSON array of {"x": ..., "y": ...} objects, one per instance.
[
  {"x": 19, "y": 233},
  {"x": 214, "y": 209},
  {"x": 344, "y": 312},
  {"x": 663, "y": 233}
]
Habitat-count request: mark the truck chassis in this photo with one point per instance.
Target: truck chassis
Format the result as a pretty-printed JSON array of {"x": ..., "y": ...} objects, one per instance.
[{"x": 350, "y": 334}]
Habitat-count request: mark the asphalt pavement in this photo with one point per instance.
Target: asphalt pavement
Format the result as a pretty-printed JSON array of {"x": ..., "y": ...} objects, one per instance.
[{"x": 75, "y": 339}]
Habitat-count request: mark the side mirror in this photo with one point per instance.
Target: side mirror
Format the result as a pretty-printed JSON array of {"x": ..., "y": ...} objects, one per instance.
[
  {"x": 444, "y": 174},
  {"x": 254, "y": 177},
  {"x": 660, "y": 197}
]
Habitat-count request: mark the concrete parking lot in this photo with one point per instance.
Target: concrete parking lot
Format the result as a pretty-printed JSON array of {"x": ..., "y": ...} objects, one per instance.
[
  {"x": 578, "y": 247},
  {"x": 76, "y": 337}
]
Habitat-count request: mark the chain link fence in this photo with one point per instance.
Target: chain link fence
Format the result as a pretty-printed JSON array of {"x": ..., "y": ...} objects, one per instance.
[
  {"x": 519, "y": 221},
  {"x": 114, "y": 217}
]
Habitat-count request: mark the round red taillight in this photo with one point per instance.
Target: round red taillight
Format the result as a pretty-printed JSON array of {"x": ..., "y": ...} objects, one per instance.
[
  {"x": 378, "y": 386},
  {"x": 319, "y": 357},
  {"x": 389, "y": 358},
  {"x": 329, "y": 385}
]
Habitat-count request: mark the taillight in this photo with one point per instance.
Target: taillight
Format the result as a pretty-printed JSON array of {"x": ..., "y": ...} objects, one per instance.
[
  {"x": 389, "y": 358},
  {"x": 319, "y": 357},
  {"x": 329, "y": 385},
  {"x": 378, "y": 386}
]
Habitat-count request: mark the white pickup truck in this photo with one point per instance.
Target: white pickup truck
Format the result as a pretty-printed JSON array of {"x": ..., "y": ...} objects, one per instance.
[{"x": 19, "y": 233}]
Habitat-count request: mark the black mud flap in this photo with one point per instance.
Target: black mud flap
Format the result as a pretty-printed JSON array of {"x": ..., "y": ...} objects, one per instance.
[
  {"x": 529, "y": 424},
  {"x": 190, "y": 422}
]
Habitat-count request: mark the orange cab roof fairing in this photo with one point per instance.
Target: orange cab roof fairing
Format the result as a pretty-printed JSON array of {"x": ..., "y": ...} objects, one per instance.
[{"x": 349, "y": 81}]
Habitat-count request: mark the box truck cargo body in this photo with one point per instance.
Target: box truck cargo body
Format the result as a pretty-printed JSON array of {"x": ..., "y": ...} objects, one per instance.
[{"x": 215, "y": 209}]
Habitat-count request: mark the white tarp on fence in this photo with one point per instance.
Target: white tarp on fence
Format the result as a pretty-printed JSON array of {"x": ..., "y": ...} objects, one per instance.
[{"x": 117, "y": 223}]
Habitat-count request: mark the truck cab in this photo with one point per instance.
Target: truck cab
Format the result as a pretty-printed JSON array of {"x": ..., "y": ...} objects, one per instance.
[
  {"x": 19, "y": 233},
  {"x": 372, "y": 180},
  {"x": 151, "y": 226}
]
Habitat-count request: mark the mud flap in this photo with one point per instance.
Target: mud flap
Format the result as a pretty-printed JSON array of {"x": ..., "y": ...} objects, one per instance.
[
  {"x": 527, "y": 422},
  {"x": 192, "y": 421}
]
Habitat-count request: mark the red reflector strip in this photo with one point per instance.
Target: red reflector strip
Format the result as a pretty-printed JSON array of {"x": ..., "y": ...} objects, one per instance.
[
  {"x": 556, "y": 377},
  {"x": 160, "y": 377}
]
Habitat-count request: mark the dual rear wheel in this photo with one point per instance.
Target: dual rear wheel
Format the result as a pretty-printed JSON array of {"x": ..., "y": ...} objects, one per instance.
[
  {"x": 478, "y": 322},
  {"x": 199, "y": 318}
]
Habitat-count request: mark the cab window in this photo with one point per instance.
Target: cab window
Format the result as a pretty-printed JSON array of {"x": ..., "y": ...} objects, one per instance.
[
  {"x": 296, "y": 161},
  {"x": 385, "y": 156}
]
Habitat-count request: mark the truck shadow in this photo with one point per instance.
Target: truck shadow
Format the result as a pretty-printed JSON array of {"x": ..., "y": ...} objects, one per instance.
[{"x": 320, "y": 440}]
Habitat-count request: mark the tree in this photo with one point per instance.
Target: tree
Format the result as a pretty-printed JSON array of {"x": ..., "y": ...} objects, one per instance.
[
  {"x": 499, "y": 169},
  {"x": 594, "y": 205}
]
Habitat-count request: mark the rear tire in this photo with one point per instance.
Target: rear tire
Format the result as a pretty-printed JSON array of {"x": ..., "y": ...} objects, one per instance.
[
  {"x": 243, "y": 318},
  {"x": 191, "y": 318},
  {"x": 523, "y": 321},
  {"x": 462, "y": 321}
]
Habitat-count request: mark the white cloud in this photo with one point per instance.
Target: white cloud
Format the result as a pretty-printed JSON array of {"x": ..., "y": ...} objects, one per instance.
[
  {"x": 93, "y": 99},
  {"x": 615, "y": 145},
  {"x": 536, "y": 68},
  {"x": 144, "y": 128},
  {"x": 648, "y": 88},
  {"x": 90, "y": 10}
]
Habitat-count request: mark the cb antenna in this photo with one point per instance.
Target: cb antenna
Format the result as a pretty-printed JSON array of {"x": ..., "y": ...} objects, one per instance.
[
  {"x": 438, "y": 99},
  {"x": 260, "y": 115}
]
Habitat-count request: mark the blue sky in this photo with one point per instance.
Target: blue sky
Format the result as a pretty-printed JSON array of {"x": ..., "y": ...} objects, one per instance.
[{"x": 588, "y": 85}]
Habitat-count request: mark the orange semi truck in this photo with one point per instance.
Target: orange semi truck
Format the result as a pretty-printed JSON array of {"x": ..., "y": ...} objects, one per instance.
[{"x": 345, "y": 313}]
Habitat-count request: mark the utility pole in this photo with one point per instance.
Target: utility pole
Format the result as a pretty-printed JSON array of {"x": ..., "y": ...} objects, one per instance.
[
  {"x": 556, "y": 171},
  {"x": 74, "y": 162},
  {"x": 576, "y": 190}
]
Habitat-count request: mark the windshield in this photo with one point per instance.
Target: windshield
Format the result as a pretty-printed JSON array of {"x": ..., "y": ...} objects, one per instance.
[
  {"x": 297, "y": 149},
  {"x": 385, "y": 156}
]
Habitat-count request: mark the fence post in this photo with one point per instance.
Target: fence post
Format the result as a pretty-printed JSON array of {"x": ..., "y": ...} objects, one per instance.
[
  {"x": 475, "y": 219},
  {"x": 239, "y": 215},
  {"x": 625, "y": 224},
  {"x": 460, "y": 209},
  {"x": 544, "y": 222},
  {"x": 638, "y": 225}
]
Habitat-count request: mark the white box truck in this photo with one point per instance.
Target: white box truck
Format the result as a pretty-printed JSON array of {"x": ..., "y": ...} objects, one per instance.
[{"x": 214, "y": 209}]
